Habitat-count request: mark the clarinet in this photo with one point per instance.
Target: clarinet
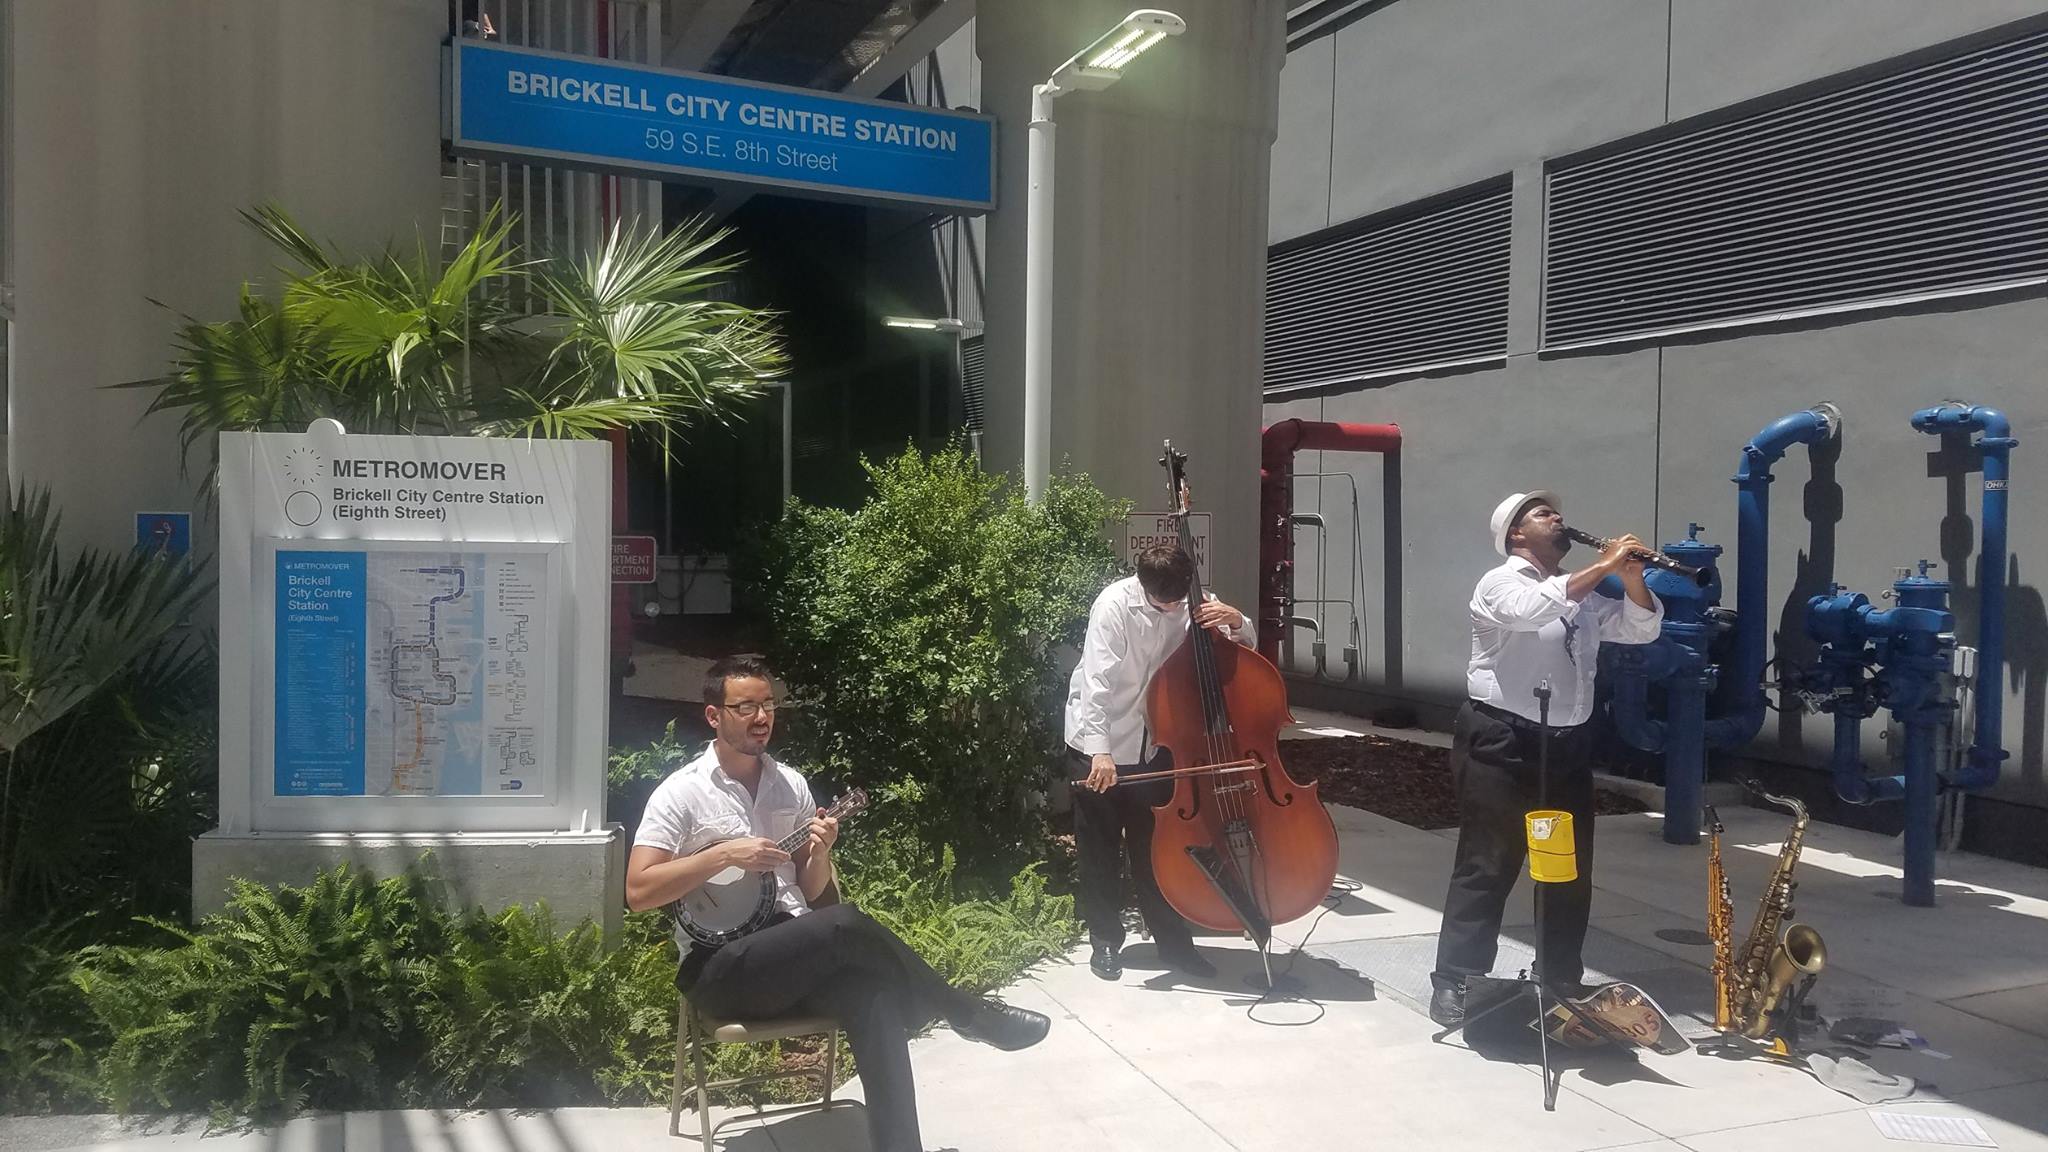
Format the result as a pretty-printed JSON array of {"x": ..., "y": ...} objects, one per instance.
[{"x": 1650, "y": 556}]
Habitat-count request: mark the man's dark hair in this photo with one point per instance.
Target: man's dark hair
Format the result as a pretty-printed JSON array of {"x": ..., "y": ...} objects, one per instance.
[
  {"x": 730, "y": 668},
  {"x": 1166, "y": 572}
]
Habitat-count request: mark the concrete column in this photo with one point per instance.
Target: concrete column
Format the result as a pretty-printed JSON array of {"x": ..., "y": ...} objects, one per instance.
[
  {"x": 140, "y": 130},
  {"x": 1160, "y": 281}
]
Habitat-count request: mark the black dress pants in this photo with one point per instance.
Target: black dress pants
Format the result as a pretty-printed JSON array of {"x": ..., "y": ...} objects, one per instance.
[
  {"x": 1494, "y": 769},
  {"x": 837, "y": 962},
  {"x": 1107, "y": 825}
]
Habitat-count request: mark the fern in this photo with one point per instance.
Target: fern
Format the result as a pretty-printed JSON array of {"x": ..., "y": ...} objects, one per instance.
[
  {"x": 290, "y": 999},
  {"x": 45, "y": 1027},
  {"x": 358, "y": 993},
  {"x": 975, "y": 941}
]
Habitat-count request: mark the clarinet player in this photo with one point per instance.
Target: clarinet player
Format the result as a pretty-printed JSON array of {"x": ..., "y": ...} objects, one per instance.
[{"x": 1531, "y": 621}]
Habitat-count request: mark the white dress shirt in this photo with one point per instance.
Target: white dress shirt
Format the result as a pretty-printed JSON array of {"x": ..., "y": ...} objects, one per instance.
[
  {"x": 1128, "y": 640},
  {"x": 699, "y": 806},
  {"x": 1524, "y": 631}
]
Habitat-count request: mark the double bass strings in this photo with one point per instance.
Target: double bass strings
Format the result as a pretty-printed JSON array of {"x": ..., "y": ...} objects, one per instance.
[{"x": 1216, "y": 716}]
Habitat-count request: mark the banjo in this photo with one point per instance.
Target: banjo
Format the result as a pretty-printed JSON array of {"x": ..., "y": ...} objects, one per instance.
[{"x": 736, "y": 902}]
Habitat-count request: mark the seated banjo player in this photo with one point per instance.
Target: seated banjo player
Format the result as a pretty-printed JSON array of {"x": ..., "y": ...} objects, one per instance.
[{"x": 726, "y": 814}]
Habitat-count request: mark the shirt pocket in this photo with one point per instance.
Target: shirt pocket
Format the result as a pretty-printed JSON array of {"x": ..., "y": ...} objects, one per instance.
[{"x": 781, "y": 821}]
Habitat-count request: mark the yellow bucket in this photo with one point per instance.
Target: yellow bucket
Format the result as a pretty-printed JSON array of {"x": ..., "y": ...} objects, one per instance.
[{"x": 1553, "y": 855}]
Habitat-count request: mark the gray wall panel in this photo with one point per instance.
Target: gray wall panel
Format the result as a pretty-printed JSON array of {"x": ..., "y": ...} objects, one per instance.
[
  {"x": 1434, "y": 95},
  {"x": 1586, "y": 429},
  {"x": 1301, "y": 155},
  {"x": 1724, "y": 51}
]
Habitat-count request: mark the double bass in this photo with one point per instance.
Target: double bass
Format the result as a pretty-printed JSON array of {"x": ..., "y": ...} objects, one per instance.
[{"x": 1242, "y": 844}]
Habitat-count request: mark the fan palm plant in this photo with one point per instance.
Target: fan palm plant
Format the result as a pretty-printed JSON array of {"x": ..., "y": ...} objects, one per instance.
[
  {"x": 626, "y": 337},
  {"x": 85, "y": 636}
]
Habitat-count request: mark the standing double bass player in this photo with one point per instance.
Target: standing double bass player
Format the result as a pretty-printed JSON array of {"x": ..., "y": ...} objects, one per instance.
[
  {"x": 1134, "y": 625},
  {"x": 1238, "y": 844}
]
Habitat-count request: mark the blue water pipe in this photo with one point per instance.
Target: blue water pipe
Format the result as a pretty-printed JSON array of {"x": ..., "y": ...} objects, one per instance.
[
  {"x": 1890, "y": 658},
  {"x": 1987, "y": 753},
  {"x": 1745, "y": 718},
  {"x": 1693, "y": 618},
  {"x": 1678, "y": 659}
]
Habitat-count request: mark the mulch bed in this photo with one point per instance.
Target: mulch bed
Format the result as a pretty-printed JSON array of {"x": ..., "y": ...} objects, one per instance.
[{"x": 1407, "y": 782}]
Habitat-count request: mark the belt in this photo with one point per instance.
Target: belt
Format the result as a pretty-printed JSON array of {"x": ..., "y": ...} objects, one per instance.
[{"x": 1517, "y": 720}]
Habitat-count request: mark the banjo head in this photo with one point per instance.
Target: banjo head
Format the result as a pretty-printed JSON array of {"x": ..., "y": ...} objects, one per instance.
[
  {"x": 735, "y": 902},
  {"x": 719, "y": 913}
]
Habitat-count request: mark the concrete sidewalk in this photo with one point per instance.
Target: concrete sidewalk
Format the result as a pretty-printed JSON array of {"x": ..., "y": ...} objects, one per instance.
[{"x": 1152, "y": 1063}]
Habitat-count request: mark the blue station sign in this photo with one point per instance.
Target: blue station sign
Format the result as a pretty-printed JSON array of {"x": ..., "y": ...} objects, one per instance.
[{"x": 523, "y": 104}]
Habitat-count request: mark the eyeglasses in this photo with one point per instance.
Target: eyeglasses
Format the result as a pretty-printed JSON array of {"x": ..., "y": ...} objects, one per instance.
[{"x": 751, "y": 708}]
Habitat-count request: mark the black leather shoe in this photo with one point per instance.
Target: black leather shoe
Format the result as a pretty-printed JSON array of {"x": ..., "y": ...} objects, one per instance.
[
  {"x": 1447, "y": 1007},
  {"x": 1002, "y": 1026},
  {"x": 1187, "y": 960},
  {"x": 1106, "y": 963}
]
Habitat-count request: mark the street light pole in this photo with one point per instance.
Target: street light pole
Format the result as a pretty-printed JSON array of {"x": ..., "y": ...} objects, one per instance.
[
  {"x": 1038, "y": 263},
  {"x": 1093, "y": 68}
]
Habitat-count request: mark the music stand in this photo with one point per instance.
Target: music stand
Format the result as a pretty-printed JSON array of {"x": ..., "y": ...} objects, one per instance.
[{"x": 1533, "y": 976}]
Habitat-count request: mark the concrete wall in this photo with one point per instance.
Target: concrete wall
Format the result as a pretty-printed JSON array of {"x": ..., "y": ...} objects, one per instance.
[
  {"x": 1419, "y": 98},
  {"x": 140, "y": 129}
]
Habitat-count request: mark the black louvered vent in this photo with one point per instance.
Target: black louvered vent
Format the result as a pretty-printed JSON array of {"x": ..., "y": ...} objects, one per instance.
[
  {"x": 972, "y": 381},
  {"x": 1926, "y": 182},
  {"x": 1391, "y": 294}
]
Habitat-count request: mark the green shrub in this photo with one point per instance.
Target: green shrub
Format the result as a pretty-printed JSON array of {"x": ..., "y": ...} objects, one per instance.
[
  {"x": 920, "y": 638},
  {"x": 648, "y": 764},
  {"x": 631, "y": 775}
]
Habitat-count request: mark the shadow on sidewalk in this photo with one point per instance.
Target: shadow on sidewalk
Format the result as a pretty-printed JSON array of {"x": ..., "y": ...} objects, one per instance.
[{"x": 1240, "y": 977}]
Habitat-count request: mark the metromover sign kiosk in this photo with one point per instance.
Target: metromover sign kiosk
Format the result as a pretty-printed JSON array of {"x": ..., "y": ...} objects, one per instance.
[{"x": 413, "y": 646}]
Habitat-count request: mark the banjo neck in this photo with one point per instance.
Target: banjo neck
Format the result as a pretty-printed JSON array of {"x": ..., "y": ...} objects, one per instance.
[{"x": 849, "y": 803}]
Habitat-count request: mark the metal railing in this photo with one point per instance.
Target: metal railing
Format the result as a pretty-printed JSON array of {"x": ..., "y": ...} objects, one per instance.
[{"x": 559, "y": 211}]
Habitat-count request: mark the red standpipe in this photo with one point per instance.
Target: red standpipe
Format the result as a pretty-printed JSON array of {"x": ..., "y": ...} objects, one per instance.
[{"x": 1278, "y": 444}]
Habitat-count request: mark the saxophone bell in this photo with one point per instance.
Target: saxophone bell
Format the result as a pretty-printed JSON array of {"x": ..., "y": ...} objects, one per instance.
[
  {"x": 1778, "y": 953},
  {"x": 1800, "y": 953}
]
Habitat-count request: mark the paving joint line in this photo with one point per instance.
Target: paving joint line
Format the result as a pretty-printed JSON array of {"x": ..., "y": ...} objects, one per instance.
[{"x": 1681, "y": 1140}]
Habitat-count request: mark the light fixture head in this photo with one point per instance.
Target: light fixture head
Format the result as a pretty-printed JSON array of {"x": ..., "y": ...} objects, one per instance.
[
  {"x": 937, "y": 324},
  {"x": 1102, "y": 63}
]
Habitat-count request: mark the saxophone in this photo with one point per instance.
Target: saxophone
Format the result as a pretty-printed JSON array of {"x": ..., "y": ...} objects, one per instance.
[
  {"x": 1775, "y": 954},
  {"x": 1720, "y": 926}
]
